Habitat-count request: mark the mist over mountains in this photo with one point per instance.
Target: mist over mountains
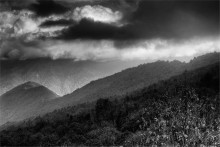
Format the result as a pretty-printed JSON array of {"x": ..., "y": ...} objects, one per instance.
[
  {"x": 32, "y": 99},
  {"x": 23, "y": 101},
  {"x": 134, "y": 78},
  {"x": 187, "y": 99},
  {"x": 109, "y": 73},
  {"x": 61, "y": 76}
]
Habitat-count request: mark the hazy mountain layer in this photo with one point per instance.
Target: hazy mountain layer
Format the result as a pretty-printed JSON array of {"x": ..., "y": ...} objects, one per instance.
[
  {"x": 187, "y": 103},
  {"x": 120, "y": 83},
  {"x": 130, "y": 80},
  {"x": 61, "y": 76},
  {"x": 24, "y": 101},
  {"x": 135, "y": 78}
]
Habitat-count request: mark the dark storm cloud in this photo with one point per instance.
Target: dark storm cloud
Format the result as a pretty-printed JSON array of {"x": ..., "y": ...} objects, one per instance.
[
  {"x": 15, "y": 4},
  {"x": 89, "y": 29},
  {"x": 171, "y": 16},
  {"x": 61, "y": 22},
  {"x": 47, "y": 7},
  {"x": 145, "y": 19},
  {"x": 155, "y": 19},
  {"x": 108, "y": 29}
]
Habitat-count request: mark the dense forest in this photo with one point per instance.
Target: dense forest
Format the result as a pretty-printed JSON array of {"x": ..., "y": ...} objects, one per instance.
[{"x": 181, "y": 111}]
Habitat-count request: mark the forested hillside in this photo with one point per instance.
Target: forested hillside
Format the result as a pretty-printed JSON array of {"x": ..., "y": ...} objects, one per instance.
[
  {"x": 117, "y": 85},
  {"x": 133, "y": 79},
  {"x": 183, "y": 110}
]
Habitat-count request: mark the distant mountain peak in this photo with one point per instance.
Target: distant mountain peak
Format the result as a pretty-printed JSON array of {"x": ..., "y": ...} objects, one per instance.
[
  {"x": 30, "y": 84},
  {"x": 24, "y": 101}
]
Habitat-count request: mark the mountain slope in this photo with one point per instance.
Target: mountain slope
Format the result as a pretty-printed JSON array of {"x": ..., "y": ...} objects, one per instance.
[
  {"x": 135, "y": 78},
  {"x": 61, "y": 76},
  {"x": 128, "y": 80},
  {"x": 125, "y": 82},
  {"x": 24, "y": 101},
  {"x": 184, "y": 108}
]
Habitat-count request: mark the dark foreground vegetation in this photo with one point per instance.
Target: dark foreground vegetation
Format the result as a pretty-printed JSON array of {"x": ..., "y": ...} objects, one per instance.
[{"x": 181, "y": 111}]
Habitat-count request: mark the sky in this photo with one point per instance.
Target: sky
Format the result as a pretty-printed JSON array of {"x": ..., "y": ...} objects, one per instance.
[{"x": 108, "y": 29}]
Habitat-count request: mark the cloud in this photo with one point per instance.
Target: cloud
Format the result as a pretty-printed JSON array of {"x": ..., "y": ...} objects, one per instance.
[
  {"x": 6, "y": 5},
  {"x": 17, "y": 23},
  {"x": 153, "y": 49},
  {"x": 148, "y": 20},
  {"x": 60, "y": 22},
  {"x": 171, "y": 49},
  {"x": 89, "y": 29},
  {"x": 145, "y": 50},
  {"x": 18, "y": 48},
  {"x": 27, "y": 25},
  {"x": 30, "y": 24},
  {"x": 74, "y": 17},
  {"x": 97, "y": 13},
  {"x": 47, "y": 7},
  {"x": 103, "y": 30},
  {"x": 152, "y": 19},
  {"x": 180, "y": 19}
]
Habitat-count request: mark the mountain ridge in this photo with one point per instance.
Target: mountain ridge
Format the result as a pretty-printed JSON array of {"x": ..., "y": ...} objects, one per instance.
[
  {"x": 24, "y": 101},
  {"x": 188, "y": 102},
  {"x": 61, "y": 76},
  {"x": 143, "y": 77},
  {"x": 127, "y": 81}
]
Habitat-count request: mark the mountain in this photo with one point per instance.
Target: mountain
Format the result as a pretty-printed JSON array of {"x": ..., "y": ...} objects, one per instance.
[
  {"x": 124, "y": 82},
  {"x": 127, "y": 80},
  {"x": 204, "y": 60},
  {"x": 180, "y": 111},
  {"x": 24, "y": 101},
  {"x": 62, "y": 76},
  {"x": 135, "y": 78}
]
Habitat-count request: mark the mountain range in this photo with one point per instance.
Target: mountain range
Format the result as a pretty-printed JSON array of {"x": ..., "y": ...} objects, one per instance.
[
  {"x": 182, "y": 110},
  {"x": 21, "y": 102},
  {"x": 24, "y": 101},
  {"x": 62, "y": 76},
  {"x": 134, "y": 78}
]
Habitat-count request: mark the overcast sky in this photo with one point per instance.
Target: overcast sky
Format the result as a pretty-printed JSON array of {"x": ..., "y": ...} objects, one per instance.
[{"x": 108, "y": 29}]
